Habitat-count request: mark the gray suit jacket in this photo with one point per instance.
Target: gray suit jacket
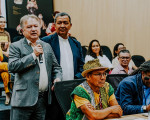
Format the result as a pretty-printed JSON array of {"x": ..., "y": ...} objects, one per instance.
[{"x": 26, "y": 69}]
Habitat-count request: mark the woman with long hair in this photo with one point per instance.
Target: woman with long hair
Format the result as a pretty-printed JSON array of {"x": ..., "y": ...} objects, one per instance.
[{"x": 95, "y": 51}]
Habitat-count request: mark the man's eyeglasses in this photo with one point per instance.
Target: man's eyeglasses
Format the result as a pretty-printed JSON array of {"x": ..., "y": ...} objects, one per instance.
[
  {"x": 123, "y": 58},
  {"x": 100, "y": 74}
]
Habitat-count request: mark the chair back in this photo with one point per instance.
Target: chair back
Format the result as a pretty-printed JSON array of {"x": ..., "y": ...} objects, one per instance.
[
  {"x": 84, "y": 51},
  {"x": 138, "y": 60},
  {"x": 115, "y": 79},
  {"x": 63, "y": 90},
  {"x": 107, "y": 52}
]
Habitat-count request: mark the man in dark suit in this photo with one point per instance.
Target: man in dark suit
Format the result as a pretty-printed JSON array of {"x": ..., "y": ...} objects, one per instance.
[
  {"x": 68, "y": 50},
  {"x": 61, "y": 41},
  {"x": 35, "y": 66}
]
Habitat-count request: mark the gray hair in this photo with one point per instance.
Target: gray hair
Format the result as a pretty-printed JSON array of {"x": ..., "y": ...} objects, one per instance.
[
  {"x": 26, "y": 17},
  {"x": 62, "y": 14},
  {"x": 124, "y": 51}
]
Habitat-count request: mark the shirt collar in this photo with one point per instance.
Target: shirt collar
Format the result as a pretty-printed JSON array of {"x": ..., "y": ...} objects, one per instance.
[
  {"x": 29, "y": 42},
  {"x": 62, "y": 39},
  {"x": 120, "y": 67}
]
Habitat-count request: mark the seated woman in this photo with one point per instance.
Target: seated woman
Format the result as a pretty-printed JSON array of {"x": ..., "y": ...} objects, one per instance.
[
  {"x": 5, "y": 76},
  {"x": 4, "y": 53},
  {"x": 95, "y": 51},
  {"x": 93, "y": 99},
  {"x": 117, "y": 48}
]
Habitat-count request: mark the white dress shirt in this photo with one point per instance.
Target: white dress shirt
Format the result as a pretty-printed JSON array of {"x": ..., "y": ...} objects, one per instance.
[
  {"x": 66, "y": 59},
  {"x": 43, "y": 79}
]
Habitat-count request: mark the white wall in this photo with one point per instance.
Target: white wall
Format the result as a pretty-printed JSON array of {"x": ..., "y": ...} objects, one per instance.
[{"x": 110, "y": 22}]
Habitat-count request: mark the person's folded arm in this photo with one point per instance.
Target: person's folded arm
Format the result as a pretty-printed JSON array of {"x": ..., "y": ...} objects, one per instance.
[
  {"x": 113, "y": 111},
  {"x": 114, "y": 102},
  {"x": 95, "y": 114}
]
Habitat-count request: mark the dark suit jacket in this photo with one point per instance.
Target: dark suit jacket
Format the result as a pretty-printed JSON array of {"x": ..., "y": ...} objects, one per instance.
[
  {"x": 129, "y": 94},
  {"x": 76, "y": 50},
  {"x": 27, "y": 71}
]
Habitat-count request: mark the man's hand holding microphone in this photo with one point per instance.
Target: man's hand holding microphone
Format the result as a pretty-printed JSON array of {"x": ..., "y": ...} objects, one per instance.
[{"x": 38, "y": 51}]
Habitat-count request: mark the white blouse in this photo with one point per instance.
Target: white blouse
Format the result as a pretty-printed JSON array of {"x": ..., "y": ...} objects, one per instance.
[{"x": 104, "y": 61}]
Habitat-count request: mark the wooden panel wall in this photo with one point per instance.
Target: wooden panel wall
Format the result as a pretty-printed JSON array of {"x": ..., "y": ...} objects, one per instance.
[{"x": 110, "y": 21}]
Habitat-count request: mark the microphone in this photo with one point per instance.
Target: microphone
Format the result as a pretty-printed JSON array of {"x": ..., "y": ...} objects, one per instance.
[
  {"x": 146, "y": 78},
  {"x": 40, "y": 56}
]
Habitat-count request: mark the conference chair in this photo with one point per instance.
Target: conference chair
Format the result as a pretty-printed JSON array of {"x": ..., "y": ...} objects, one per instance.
[
  {"x": 84, "y": 51},
  {"x": 138, "y": 60},
  {"x": 63, "y": 90},
  {"x": 115, "y": 79},
  {"x": 107, "y": 52}
]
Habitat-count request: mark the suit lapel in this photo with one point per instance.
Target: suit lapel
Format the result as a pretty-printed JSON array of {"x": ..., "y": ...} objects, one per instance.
[
  {"x": 46, "y": 57},
  {"x": 56, "y": 47},
  {"x": 27, "y": 46},
  {"x": 45, "y": 52}
]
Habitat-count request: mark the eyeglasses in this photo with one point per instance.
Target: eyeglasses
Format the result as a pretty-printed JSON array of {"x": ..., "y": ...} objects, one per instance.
[
  {"x": 100, "y": 74},
  {"x": 123, "y": 58}
]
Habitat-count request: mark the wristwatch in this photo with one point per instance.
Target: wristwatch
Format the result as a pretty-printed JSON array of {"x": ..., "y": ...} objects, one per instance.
[{"x": 144, "y": 107}]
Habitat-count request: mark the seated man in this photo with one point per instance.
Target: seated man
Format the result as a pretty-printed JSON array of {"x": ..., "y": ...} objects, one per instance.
[
  {"x": 117, "y": 48},
  {"x": 133, "y": 92},
  {"x": 123, "y": 66},
  {"x": 94, "y": 98}
]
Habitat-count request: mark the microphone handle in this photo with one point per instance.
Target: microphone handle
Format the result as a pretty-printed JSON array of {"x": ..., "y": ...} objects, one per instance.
[{"x": 40, "y": 58}]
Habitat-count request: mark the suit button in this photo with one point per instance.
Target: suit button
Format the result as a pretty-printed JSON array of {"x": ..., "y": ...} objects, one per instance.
[{"x": 38, "y": 72}]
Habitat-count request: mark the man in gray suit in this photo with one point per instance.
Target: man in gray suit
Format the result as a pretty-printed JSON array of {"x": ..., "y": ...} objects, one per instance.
[{"x": 35, "y": 67}]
